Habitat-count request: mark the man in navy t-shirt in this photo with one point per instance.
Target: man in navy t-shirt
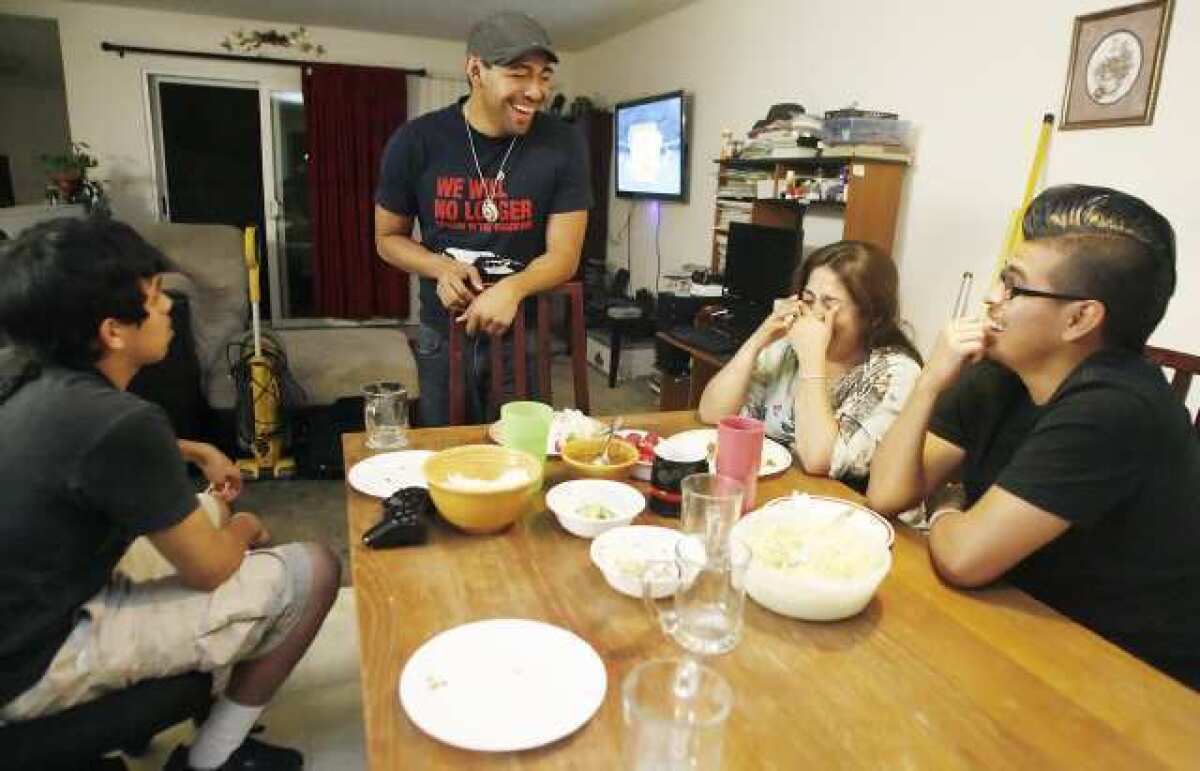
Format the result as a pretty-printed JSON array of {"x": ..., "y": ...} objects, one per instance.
[{"x": 492, "y": 174}]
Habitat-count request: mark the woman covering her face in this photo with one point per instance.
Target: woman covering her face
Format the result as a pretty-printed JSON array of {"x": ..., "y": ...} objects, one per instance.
[{"x": 830, "y": 368}]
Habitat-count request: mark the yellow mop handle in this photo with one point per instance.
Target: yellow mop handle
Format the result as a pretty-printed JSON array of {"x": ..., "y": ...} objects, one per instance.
[
  {"x": 1013, "y": 235},
  {"x": 250, "y": 250}
]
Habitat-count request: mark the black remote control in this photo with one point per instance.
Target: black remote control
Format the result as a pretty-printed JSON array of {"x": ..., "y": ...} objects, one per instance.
[{"x": 404, "y": 520}]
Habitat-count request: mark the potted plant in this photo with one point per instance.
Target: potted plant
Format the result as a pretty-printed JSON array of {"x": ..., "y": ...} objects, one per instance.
[{"x": 68, "y": 170}]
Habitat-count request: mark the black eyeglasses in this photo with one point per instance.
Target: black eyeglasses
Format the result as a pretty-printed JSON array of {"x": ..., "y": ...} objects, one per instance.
[{"x": 1010, "y": 289}]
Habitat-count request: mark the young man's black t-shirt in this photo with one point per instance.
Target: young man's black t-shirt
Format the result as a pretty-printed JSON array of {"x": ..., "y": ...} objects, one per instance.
[
  {"x": 1112, "y": 452},
  {"x": 84, "y": 469},
  {"x": 428, "y": 172}
]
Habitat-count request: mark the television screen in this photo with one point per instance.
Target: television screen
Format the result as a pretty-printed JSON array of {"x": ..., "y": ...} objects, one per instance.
[{"x": 652, "y": 148}]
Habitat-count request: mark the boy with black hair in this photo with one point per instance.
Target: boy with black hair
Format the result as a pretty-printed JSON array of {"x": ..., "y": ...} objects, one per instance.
[
  {"x": 85, "y": 468},
  {"x": 1081, "y": 467}
]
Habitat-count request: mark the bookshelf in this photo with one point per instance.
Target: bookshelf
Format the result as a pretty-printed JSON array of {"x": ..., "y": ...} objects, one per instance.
[{"x": 869, "y": 212}]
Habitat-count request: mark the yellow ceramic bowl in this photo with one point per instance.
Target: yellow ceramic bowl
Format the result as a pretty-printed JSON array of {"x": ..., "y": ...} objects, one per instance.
[
  {"x": 482, "y": 488},
  {"x": 580, "y": 456}
]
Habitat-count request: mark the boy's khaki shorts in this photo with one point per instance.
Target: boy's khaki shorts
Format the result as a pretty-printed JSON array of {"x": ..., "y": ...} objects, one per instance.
[{"x": 131, "y": 632}]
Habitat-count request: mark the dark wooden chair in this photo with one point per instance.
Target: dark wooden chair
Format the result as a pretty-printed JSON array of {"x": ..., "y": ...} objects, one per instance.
[
  {"x": 76, "y": 738},
  {"x": 573, "y": 291},
  {"x": 1185, "y": 366}
]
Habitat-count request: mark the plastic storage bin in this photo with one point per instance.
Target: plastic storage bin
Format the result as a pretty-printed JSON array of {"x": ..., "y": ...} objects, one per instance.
[{"x": 868, "y": 131}]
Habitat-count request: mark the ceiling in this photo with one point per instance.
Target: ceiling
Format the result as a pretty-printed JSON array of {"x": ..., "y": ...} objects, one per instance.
[{"x": 572, "y": 24}]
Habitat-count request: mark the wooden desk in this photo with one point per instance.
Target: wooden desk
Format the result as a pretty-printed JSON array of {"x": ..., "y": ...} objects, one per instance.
[
  {"x": 926, "y": 677},
  {"x": 705, "y": 364}
]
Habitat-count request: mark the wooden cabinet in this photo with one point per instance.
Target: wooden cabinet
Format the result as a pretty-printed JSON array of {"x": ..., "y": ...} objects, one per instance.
[{"x": 870, "y": 211}]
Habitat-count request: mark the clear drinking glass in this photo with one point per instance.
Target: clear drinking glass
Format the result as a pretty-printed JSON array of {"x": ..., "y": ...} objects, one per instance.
[
  {"x": 385, "y": 414},
  {"x": 706, "y": 614},
  {"x": 668, "y": 728},
  {"x": 711, "y": 507}
]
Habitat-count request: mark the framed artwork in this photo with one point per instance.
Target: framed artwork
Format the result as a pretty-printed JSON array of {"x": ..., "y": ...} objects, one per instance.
[{"x": 1116, "y": 63}]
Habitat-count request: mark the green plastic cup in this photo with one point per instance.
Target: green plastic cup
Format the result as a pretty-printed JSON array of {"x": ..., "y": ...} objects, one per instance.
[{"x": 525, "y": 426}]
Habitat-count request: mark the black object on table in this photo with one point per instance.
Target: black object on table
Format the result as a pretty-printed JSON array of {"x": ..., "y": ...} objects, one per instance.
[{"x": 404, "y": 521}]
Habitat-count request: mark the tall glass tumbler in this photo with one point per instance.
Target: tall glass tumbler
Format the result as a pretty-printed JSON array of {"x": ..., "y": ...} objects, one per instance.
[
  {"x": 673, "y": 728},
  {"x": 711, "y": 505}
]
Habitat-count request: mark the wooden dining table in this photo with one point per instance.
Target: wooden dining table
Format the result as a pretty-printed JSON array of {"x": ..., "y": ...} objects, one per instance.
[{"x": 926, "y": 677}]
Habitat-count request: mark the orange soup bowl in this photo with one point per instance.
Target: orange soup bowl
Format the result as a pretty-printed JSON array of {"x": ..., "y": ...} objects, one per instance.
[
  {"x": 581, "y": 456},
  {"x": 482, "y": 488}
]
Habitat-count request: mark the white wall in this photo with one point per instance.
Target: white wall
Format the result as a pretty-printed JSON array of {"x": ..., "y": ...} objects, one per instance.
[
  {"x": 974, "y": 77},
  {"x": 106, "y": 94}
]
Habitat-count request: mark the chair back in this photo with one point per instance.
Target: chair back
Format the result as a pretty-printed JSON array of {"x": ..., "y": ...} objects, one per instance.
[
  {"x": 573, "y": 291},
  {"x": 1185, "y": 367}
]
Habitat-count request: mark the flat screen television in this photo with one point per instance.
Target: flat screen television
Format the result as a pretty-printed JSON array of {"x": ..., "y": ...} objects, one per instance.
[{"x": 652, "y": 147}]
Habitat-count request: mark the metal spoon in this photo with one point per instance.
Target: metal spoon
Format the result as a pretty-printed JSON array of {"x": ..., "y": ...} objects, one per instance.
[{"x": 602, "y": 459}]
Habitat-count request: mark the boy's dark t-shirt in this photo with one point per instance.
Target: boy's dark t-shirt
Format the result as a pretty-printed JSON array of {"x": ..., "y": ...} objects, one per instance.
[
  {"x": 1114, "y": 453},
  {"x": 427, "y": 172},
  {"x": 84, "y": 469}
]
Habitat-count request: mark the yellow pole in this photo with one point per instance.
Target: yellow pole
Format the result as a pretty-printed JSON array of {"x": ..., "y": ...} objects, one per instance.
[{"x": 1012, "y": 236}]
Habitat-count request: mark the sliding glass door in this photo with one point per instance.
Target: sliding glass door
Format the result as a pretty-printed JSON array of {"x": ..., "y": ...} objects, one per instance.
[{"x": 233, "y": 152}]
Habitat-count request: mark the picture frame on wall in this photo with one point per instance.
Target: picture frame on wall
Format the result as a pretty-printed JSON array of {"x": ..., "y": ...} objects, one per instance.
[{"x": 1115, "y": 67}]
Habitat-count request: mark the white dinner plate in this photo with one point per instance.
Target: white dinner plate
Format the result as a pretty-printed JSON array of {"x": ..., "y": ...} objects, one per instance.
[
  {"x": 502, "y": 685},
  {"x": 696, "y": 443},
  {"x": 382, "y": 475}
]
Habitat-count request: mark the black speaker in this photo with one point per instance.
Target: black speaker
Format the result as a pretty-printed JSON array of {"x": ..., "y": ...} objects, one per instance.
[
  {"x": 678, "y": 310},
  {"x": 675, "y": 311},
  {"x": 671, "y": 360}
]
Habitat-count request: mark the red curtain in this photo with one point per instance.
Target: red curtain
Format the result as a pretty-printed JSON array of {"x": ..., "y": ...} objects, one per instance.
[{"x": 349, "y": 113}]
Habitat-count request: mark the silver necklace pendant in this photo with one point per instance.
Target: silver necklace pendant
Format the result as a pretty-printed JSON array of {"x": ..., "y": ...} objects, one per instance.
[{"x": 490, "y": 211}]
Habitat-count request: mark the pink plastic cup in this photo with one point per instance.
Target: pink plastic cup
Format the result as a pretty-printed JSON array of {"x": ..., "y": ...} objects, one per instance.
[{"x": 739, "y": 454}]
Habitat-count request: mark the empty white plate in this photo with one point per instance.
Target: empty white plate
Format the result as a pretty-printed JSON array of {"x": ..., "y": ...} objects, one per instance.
[
  {"x": 382, "y": 475},
  {"x": 502, "y": 685}
]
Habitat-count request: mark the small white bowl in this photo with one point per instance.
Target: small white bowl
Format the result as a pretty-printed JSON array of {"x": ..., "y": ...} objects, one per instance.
[
  {"x": 622, "y": 554},
  {"x": 566, "y": 498}
]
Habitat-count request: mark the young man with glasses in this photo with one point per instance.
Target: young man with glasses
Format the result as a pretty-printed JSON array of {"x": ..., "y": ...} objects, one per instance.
[
  {"x": 1081, "y": 467},
  {"x": 489, "y": 174}
]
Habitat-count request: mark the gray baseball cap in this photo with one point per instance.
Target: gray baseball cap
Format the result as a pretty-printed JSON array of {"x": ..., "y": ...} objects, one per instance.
[{"x": 506, "y": 36}]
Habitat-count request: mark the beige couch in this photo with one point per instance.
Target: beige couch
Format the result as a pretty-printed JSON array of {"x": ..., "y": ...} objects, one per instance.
[{"x": 329, "y": 363}]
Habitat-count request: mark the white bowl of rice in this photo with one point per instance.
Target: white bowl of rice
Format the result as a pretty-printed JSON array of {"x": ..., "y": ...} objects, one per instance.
[
  {"x": 623, "y": 555},
  {"x": 815, "y": 558}
]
